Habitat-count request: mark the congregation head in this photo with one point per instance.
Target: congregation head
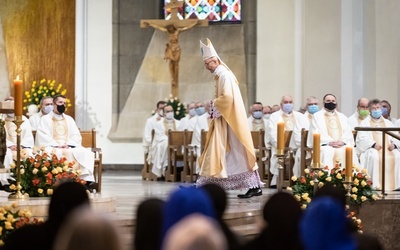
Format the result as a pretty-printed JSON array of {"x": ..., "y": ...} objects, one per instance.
[
  {"x": 46, "y": 104},
  {"x": 312, "y": 104},
  {"x": 287, "y": 104},
  {"x": 257, "y": 110}
]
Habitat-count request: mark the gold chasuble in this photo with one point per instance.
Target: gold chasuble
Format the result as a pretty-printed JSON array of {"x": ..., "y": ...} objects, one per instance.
[
  {"x": 389, "y": 156},
  {"x": 60, "y": 131},
  {"x": 334, "y": 128},
  {"x": 257, "y": 125},
  {"x": 229, "y": 102}
]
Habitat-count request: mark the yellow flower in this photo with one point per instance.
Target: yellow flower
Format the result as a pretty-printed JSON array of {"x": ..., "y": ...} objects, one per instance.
[
  {"x": 14, "y": 205},
  {"x": 288, "y": 189},
  {"x": 354, "y": 190},
  {"x": 304, "y": 196},
  {"x": 8, "y": 225},
  {"x": 54, "y": 171},
  {"x": 354, "y": 196},
  {"x": 308, "y": 200},
  {"x": 44, "y": 169},
  {"x": 312, "y": 183},
  {"x": 363, "y": 184},
  {"x": 22, "y": 171},
  {"x": 321, "y": 173},
  {"x": 364, "y": 171},
  {"x": 35, "y": 170},
  {"x": 40, "y": 190},
  {"x": 374, "y": 197},
  {"x": 2, "y": 216},
  {"x": 358, "y": 221},
  {"x": 297, "y": 197},
  {"x": 10, "y": 218},
  {"x": 304, "y": 206},
  {"x": 294, "y": 178},
  {"x": 320, "y": 184},
  {"x": 49, "y": 191},
  {"x": 307, "y": 171},
  {"x": 12, "y": 165},
  {"x": 339, "y": 176},
  {"x": 12, "y": 187},
  {"x": 328, "y": 179},
  {"x": 363, "y": 198}
]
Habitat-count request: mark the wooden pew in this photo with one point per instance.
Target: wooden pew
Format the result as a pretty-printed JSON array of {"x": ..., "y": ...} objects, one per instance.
[{"x": 262, "y": 156}]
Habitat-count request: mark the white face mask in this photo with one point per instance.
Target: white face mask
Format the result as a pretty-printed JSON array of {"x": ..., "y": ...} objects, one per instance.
[
  {"x": 266, "y": 116},
  {"x": 161, "y": 112},
  {"x": 48, "y": 109},
  {"x": 169, "y": 115},
  {"x": 10, "y": 115}
]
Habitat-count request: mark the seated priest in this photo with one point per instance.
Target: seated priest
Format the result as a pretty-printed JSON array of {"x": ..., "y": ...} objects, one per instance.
[
  {"x": 158, "y": 154},
  {"x": 335, "y": 132},
  {"x": 58, "y": 133},
  {"x": 202, "y": 124},
  {"x": 27, "y": 141},
  {"x": 256, "y": 121},
  {"x": 370, "y": 146},
  {"x": 189, "y": 121},
  {"x": 46, "y": 106}
]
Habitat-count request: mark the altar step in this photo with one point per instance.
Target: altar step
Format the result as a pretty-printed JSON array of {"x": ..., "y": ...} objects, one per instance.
[{"x": 245, "y": 224}]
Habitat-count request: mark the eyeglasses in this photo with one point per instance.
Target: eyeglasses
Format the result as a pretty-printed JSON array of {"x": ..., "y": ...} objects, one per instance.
[{"x": 207, "y": 63}]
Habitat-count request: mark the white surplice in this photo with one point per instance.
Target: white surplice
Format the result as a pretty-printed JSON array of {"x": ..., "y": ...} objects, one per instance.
[
  {"x": 158, "y": 154},
  {"x": 58, "y": 130},
  {"x": 27, "y": 143},
  {"x": 35, "y": 120},
  {"x": 202, "y": 123},
  {"x": 295, "y": 142},
  {"x": 188, "y": 123},
  {"x": 332, "y": 126},
  {"x": 371, "y": 159},
  {"x": 147, "y": 134}
]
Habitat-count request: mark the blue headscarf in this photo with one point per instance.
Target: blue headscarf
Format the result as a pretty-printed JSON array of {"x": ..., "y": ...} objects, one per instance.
[
  {"x": 183, "y": 202},
  {"x": 325, "y": 226}
]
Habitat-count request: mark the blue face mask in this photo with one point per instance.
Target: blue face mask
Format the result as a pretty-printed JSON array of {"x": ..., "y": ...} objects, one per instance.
[
  {"x": 287, "y": 108},
  {"x": 257, "y": 114},
  {"x": 192, "y": 112},
  {"x": 376, "y": 113},
  {"x": 384, "y": 111},
  {"x": 312, "y": 109},
  {"x": 200, "y": 110}
]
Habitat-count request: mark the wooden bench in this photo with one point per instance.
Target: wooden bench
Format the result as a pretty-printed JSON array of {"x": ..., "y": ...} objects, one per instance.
[
  {"x": 304, "y": 150},
  {"x": 262, "y": 156},
  {"x": 176, "y": 141},
  {"x": 89, "y": 141},
  {"x": 146, "y": 171}
]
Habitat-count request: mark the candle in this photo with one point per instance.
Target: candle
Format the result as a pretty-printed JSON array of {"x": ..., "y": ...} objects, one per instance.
[
  {"x": 316, "y": 149},
  {"x": 18, "y": 90},
  {"x": 349, "y": 163},
  {"x": 281, "y": 137}
]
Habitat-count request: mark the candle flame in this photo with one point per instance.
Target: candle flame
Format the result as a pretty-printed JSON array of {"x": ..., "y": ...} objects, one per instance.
[{"x": 17, "y": 78}]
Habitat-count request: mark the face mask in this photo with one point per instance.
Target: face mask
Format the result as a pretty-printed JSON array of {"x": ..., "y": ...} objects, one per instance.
[
  {"x": 312, "y": 109},
  {"x": 60, "y": 109},
  {"x": 363, "y": 112},
  {"x": 267, "y": 116},
  {"x": 330, "y": 105},
  {"x": 161, "y": 112},
  {"x": 169, "y": 115},
  {"x": 200, "y": 110},
  {"x": 384, "y": 111},
  {"x": 257, "y": 115},
  {"x": 192, "y": 112},
  {"x": 376, "y": 113},
  {"x": 287, "y": 108},
  {"x": 48, "y": 109},
  {"x": 10, "y": 115}
]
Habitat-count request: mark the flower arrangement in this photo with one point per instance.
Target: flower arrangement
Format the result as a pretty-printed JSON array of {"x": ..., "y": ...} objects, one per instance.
[
  {"x": 43, "y": 88},
  {"x": 41, "y": 172},
  {"x": 361, "y": 187},
  {"x": 179, "y": 108},
  {"x": 12, "y": 219}
]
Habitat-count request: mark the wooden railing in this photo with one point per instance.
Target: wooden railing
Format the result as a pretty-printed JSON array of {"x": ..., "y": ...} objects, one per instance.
[{"x": 388, "y": 131}]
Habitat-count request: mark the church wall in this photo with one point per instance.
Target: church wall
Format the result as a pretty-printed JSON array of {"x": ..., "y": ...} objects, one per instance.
[
  {"x": 313, "y": 47},
  {"x": 275, "y": 50}
]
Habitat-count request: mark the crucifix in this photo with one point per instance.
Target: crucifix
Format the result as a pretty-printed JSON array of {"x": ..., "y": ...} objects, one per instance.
[{"x": 173, "y": 27}]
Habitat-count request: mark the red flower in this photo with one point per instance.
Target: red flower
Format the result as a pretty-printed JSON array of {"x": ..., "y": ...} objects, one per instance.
[
  {"x": 31, "y": 160},
  {"x": 303, "y": 180},
  {"x": 46, "y": 163},
  {"x": 360, "y": 175},
  {"x": 49, "y": 175},
  {"x": 49, "y": 181},
  {"x": 59, "y": 176},
  {"x": 35, "y": 182},
  {"x": 37, "y": 164}
]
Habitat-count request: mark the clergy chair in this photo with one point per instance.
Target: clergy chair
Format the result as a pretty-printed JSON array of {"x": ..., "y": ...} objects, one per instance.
[
  {"x": 176, "y": 140},
  {"x": 262, "y": 156},
  {"x": 89, "y": 141},
  {"x": 147, "y": 174},
  {"x": 203, "y": 139},
  {"x": 288, "y": 161},
  {"x": 189, "y": 158},
  {"x": 304, "y": 161}
]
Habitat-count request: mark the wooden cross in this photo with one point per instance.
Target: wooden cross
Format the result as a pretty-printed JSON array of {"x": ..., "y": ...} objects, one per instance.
[{"x": 173, "y": 27}]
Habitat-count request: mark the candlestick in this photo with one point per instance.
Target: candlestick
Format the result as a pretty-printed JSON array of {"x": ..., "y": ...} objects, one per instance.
[
  {"x": 18, "y": 90},
  {"x": 316, "y": 149},
  {"x": 281, "y": 138},
  {"x": 349, "y": 163}
]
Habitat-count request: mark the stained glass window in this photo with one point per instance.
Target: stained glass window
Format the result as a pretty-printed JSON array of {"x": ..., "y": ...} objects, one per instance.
[{"x": 213, "y": 10}]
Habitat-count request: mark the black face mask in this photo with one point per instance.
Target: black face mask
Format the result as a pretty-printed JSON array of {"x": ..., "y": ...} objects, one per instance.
[
  {"x": 330, "y": 105},
  {"x": 60, "y": 109}
]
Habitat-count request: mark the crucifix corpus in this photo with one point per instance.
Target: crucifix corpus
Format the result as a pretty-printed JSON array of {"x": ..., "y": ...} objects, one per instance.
[{"x": 173, "y": 27}]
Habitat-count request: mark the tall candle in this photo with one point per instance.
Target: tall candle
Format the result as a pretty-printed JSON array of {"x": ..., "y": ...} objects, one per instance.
[
  {"x": 18, "y": 90},
  {"x": 281, "y": 137},
  {"x": 316, "y": 149},
  {"x": 349, "y": 163}
]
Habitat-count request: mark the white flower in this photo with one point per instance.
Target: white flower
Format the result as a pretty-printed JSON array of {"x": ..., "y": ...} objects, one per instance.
[
  {"x": 356, "y": 181},
  {"x": 364, "y": 171},
  {"x": 354, "y": 190},
  {"x": 22, "y": 171},
  {"x": 297, "y": 197},
  {"x": 321, "y": 173},
  {"x": 306, "y": 171},
  {"x": 49, "y": 191},
  {"x": 363, "y": 183},
  {"x": 354, "y": 196},
  {"x": 321, "y": 184},
  {"x": 374, "y": 197},
  {"x": 339, "y": 176},
  {"x": 304, "y": 206},
  {"x": 44, "y": 169},
  {"x": 328, "y": 179},
  {"x": 288, "y": 189},
  {"x": 304, "y": 196},
  {"x": 40, "y": 190},
  {"x": 312, "y": 183},
  {"x": 294, "y": 178},
  {"x": 308, "y": 200},
  {"x": 35, "y": 170},
  {"x": 363, "y": 198}
]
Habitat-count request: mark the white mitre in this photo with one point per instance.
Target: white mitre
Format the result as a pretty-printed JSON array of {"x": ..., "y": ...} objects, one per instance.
[{"x": 208, "y": 51}]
